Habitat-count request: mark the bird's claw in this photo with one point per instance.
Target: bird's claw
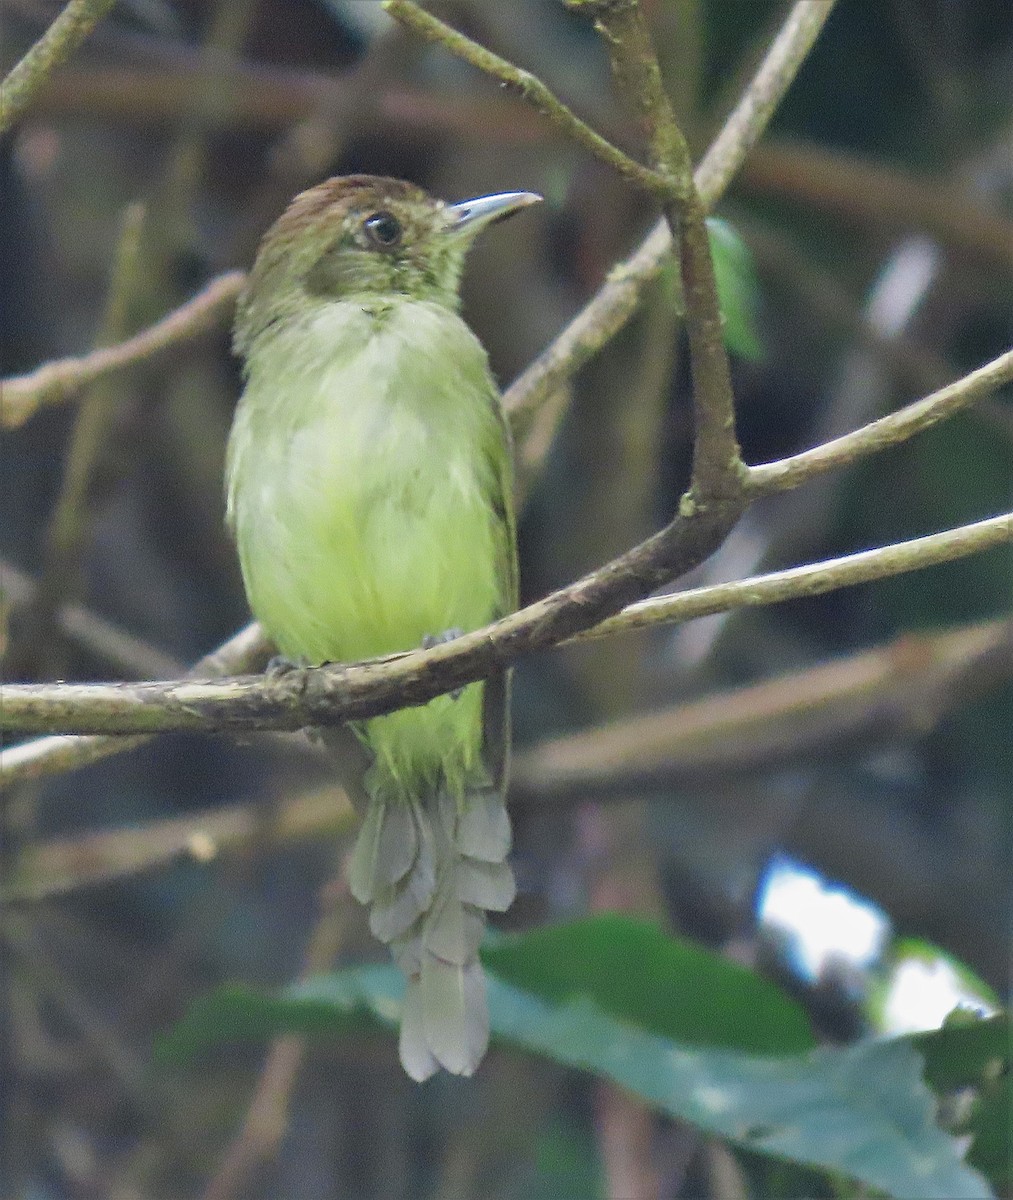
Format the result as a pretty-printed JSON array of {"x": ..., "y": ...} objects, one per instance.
[{"x": 439, "y": 639}]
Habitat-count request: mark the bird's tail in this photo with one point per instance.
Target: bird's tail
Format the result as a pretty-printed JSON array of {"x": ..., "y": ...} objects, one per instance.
[{"x": 430, "y": 868}]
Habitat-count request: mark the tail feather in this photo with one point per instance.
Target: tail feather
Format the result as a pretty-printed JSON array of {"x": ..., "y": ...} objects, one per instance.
[
  {"x": 396, "y": 909},
  {"x": 386, "y": 848},
  {"x": 413, "y": 1045},
  {"x": 488, "y": 885},
  {"x": 483, "y": 826},
  {"x": 430, "y": 870},
  {"x": 455, "y": 1016}
]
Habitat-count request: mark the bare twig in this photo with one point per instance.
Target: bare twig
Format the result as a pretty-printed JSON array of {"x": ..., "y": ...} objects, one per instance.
[
  {"x": 245, "y": 651},
  {"x": 811, "y": 580},
  {"x": 53, "y": 382},
  {"x": 55, "y": 46},
  {"x": 334, "y": 694},
  {"x": 891, "y": 430},
  {"x": 717, "y": 465},
  {"x": 129, "y": 654},
  {"x": 898, "y": 688},
  {"x": 619, "y": 297},
  {"x": 532, "y": 89},
  {"x": 751, "y": 115},
  {"x": 54, "y": 868}
]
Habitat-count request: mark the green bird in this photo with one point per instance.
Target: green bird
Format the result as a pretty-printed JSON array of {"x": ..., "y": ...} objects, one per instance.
[{"x": 369, "y": 488}]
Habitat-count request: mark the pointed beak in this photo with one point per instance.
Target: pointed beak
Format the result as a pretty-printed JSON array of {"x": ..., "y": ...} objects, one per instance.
[{"x": 470, "y": 216}]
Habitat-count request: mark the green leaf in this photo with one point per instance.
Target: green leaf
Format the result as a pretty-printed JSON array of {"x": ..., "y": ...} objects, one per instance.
[
  {"x": 991, "y": 1134},
  {"x": 738, "y": 289},
  {"x": 862, "y": 1111},
  {"x": 969, "y": 1052},
  {"x": 669, "y": 986},
  {"x": 615, "y": 997},
  {"x": 965, "y": 1050}
]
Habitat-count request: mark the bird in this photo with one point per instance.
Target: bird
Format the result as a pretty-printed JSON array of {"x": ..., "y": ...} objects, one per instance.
[{"x": 369, "y": 489}]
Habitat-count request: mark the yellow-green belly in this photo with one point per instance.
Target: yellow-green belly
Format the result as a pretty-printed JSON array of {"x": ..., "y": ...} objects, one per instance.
[{"x": 368, "y": 517}]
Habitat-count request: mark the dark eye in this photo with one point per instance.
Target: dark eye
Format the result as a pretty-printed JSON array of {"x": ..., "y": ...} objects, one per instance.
[{"x": 383, "y": 229}]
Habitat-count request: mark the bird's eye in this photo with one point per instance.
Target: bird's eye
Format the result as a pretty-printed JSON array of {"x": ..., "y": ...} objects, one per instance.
[{"x": 383, "y": 229}]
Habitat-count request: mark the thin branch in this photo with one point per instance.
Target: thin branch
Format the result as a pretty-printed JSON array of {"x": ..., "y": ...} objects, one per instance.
[
  {"x": 334, "y": 694},
  {"x": 53, "y": 382},
  {"x": 618, "y": 298},
  {"x": 904, "y": 686},
  {"x": 532, "y": 89},
  {"x": 891, "y": 430},
  {"x": 814, "y": 579},
  {"x": 742, "y": 129},
  {"x": 55, "y": 46},
  {"x": 245, "y": 651},
  {"x": 861, "y": 191},
  {"x": 62, "y": 865},
  {"x": 717, "y": 464},
  {"x": 72, "y": 515},
  {"x": 101, "y": 638}
]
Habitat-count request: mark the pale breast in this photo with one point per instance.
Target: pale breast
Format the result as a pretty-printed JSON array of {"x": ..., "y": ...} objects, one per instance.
[{"x": 364, "y": 488}]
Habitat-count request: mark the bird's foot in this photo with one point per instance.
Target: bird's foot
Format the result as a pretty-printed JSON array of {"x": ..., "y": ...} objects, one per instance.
[
  {"x": 438, "y": 639},
  {"x": 279, "y": 665}
]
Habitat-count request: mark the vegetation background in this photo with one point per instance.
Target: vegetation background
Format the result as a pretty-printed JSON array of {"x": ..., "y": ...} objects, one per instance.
[{"x": 877, "y": 213}]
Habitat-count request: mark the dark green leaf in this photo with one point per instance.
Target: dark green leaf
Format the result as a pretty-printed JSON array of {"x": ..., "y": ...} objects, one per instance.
[
  {"x": 961, "y": 1053},
  {"x": 972, "y": 1053},
  {"x": 664, "y": 985}
]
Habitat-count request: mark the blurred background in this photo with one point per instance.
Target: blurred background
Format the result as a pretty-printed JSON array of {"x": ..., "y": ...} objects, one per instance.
[{"x": 797, "y": 787}]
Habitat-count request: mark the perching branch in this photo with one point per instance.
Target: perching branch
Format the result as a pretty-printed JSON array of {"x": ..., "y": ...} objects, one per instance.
[
  {"x": 333, "y": 694},
  {"x": 55, "y": 46},
  {"x": 889, "y": 689},
  {"x": 53, "y": 382},
  {"x": 248, "y": 650},
  {"x": 891, "y": 430}
]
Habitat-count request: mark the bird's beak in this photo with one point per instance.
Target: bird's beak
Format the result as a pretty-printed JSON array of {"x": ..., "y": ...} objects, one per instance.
[{"x": 472, "y": 215}]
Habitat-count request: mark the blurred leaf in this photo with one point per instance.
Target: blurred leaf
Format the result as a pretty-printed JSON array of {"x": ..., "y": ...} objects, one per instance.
[
  {"x": 738, "y": 289},
  {"x": 862, "y": 1110},
  {"x": 969, "y": 1052},
  {"x": 991, "y": 1134},
  {"x": 669, "y": 986},
  {"x": 964, "y": 1049}
]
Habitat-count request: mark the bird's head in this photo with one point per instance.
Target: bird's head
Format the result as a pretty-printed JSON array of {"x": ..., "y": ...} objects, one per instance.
[{"x": 363, "y": 237}]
